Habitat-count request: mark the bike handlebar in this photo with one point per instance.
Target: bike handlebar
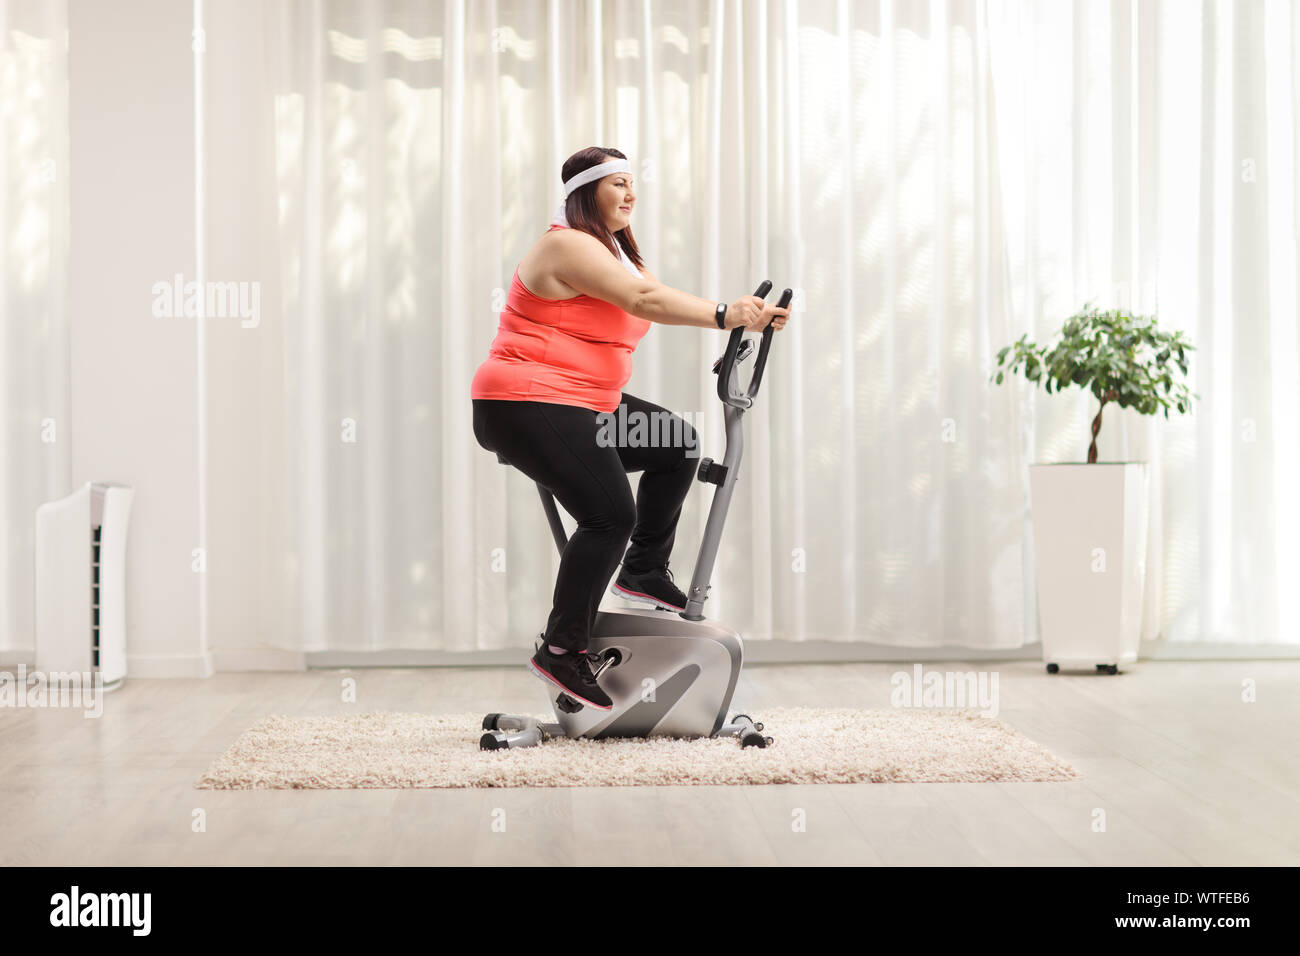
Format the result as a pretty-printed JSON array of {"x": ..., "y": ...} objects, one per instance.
[
  {"x": 761, "y": 362},
  {"x": 733, "y": 346}
]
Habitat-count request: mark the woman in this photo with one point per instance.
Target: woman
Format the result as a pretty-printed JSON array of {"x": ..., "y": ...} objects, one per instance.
[{"x": 580, "y": 302}]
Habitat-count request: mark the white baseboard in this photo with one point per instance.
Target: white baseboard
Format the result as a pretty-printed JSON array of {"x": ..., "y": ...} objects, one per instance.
[
  {"x": 137, "y": 665},
  {"x": 1188, "y": 651},
  {"x": 814, "y": 652},
  {"x": 343, "y": 659},
  {"x": 258, "y": 659},
  {"x": 150, "y": 666},
  {"x": 833, "y": 652},
  {"x": 756, "y": 652},
  {"x": 858, "y": 652}
]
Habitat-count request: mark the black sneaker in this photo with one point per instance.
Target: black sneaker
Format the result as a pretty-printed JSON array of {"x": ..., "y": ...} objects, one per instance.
[
  {"x": 654, "y": 587},
  {"x": 570, "y": 673}
]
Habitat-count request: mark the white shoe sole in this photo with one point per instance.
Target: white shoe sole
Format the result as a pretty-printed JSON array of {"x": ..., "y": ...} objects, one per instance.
[
  {"x": 639, "y": 598},
  {"x": 538, "y": 672}
]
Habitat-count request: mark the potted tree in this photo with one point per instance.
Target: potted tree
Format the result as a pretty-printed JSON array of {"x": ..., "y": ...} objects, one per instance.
[{"x": 1090, "y": 519}]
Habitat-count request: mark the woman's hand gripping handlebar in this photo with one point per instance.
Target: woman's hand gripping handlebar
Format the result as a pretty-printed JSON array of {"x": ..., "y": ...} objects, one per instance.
[{"x": 725, "y": 366}]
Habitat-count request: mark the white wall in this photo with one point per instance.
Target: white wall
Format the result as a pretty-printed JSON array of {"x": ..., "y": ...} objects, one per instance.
[
  {"x": 133, "y": 392},
  {"x": 247, "y": 472}
]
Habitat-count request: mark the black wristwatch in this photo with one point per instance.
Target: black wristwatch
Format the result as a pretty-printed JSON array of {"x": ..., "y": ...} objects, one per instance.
[{"x": 720, "y": 315}]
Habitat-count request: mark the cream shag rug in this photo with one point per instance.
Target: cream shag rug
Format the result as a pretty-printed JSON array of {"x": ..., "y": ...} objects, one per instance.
[{"x": 813, "y": 745}]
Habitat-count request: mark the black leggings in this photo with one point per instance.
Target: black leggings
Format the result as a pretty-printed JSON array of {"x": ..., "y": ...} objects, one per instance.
[{"x": 583, "y": 458}]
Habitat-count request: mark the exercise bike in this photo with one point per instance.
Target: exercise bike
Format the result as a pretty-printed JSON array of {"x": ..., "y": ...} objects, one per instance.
[{"x": 669, "y": 674}]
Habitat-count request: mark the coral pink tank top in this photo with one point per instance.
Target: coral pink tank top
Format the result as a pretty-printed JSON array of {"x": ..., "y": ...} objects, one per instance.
[{"x": 564, "y": 351}]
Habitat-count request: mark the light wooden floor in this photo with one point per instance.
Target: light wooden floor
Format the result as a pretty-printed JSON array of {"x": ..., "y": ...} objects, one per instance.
[{"x": 1185, "y": 772}]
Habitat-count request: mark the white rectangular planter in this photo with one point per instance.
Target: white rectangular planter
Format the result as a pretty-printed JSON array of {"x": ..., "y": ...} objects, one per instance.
[{"x": 1090, "y": 538}]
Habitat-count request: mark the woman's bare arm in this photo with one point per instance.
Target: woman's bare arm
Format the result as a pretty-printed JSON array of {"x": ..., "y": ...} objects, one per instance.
[{"x": 581, "y": 262}]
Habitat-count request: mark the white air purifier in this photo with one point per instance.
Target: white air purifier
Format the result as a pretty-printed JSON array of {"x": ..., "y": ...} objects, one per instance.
[{"x": 81, "y": 582}]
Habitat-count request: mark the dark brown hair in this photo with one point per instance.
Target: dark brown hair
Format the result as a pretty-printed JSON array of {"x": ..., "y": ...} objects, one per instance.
[{"x": 581, "y": 209}]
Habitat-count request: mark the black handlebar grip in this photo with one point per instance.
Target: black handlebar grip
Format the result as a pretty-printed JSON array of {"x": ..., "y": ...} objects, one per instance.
[
  {"x": 761, "y": 363},
  {"x": 733, "y": 344}
]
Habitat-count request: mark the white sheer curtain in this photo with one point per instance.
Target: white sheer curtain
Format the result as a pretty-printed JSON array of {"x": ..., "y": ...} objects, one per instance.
[
  {"x": 35, "y": 461},
  {"x": 933, "y": 178},
  {"x": 1148, "y": 152}
]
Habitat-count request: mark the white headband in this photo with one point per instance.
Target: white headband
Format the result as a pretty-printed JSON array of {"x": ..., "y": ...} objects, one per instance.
[
  {"x": 599, "y": 171},
  {"x": 590, "y": 175}
]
